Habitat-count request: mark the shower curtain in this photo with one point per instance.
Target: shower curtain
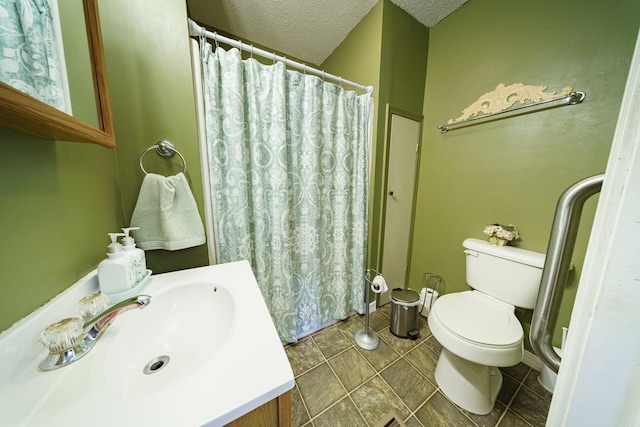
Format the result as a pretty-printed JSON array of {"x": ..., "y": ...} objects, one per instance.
[
  {"x": 30, "y": 55},
  {"x": 288, "y": 163}
]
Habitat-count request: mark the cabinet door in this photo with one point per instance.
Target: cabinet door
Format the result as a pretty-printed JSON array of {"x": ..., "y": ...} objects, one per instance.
[{"x": 276, "y": 412}]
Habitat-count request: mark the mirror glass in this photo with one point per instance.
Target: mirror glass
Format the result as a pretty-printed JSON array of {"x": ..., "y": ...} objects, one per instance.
[
  {"x": 89, "y": 117},
  {"x": 78, "y": 62},
  {"x": 45, "y": 54}
]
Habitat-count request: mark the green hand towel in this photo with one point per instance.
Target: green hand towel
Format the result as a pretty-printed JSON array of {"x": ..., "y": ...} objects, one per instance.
[{"x": 167, "y": 214}]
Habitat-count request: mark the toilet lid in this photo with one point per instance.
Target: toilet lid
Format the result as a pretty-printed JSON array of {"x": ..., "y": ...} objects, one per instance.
[{"x": 479, "y": 318}]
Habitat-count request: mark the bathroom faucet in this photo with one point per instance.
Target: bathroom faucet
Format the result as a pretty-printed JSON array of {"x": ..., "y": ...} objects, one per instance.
[{"x": 69, "y": 339}]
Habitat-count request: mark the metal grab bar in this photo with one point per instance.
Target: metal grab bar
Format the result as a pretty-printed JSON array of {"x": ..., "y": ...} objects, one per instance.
[{"x": 556, "y": 266}]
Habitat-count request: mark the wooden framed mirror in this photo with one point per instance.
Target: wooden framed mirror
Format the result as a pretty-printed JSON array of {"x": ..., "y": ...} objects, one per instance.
[{"x": 27, "y": 114}]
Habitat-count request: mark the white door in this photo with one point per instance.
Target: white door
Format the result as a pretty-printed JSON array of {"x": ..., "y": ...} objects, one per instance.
[
  {"x": 599, "y": 379},
  {"x": 401, "y": 170}
]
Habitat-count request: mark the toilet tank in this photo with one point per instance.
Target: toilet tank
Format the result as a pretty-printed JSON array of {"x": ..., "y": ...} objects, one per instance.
[{"x": 507, "y": 273}]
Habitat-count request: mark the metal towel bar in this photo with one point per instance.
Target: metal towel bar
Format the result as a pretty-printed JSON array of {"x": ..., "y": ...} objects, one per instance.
[
  {"x": 572, "y": 98},
  {"x": 164, "y": 148},
  {"x": 557, "y": 265}
]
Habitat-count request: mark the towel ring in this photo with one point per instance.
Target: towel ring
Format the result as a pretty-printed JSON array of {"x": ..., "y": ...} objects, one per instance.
[{"x": 164, "y": 148}]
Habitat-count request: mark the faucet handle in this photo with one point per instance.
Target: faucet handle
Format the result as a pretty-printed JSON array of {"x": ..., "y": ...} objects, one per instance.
[
  {"x": 70, "y": 339},
  {"x": 92, "y": 305},
  {"x": 62, "y": 335}
]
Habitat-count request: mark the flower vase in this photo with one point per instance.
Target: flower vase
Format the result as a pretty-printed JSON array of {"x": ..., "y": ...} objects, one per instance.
[{"x": 497, "y": 241}]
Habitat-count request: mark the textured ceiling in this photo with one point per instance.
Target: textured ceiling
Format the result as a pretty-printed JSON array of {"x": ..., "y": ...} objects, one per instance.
[{"x": 305, "y": 29}]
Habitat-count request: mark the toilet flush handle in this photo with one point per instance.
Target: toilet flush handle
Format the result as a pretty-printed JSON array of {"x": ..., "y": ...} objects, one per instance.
[{"x": 472, "y": 253}]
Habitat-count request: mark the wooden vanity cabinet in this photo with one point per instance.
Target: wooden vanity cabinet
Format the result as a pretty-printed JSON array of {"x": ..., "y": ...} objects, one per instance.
[{"x": 275, "y": 413}]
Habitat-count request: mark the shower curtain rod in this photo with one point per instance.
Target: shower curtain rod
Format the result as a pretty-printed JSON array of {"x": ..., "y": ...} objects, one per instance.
[{"x": 196, "y": 30}]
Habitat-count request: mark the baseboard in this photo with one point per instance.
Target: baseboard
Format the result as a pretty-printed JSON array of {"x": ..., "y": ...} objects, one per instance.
[{"x": 531, "y": 360}]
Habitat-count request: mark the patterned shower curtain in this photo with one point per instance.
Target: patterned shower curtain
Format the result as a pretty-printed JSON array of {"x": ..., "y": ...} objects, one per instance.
[
  {"x": 289, "y": 180},
  {"x": 29, "y": 59}
]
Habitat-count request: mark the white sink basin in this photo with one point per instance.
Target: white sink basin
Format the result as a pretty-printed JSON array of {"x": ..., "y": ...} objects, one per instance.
[
  {"x": 183, "y": 329},
  {"x": 223, "y": 357}
]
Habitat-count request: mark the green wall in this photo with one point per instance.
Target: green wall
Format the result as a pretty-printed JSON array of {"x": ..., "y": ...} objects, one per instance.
[
  {"x": 387, "y": 50},
  {"x": 402, "y": 79},
  {"x": 358, "y": 57},
  {"x": 512, "y": 171},
  {"x": 149, "y": 68},
  {"x": 403, "y": 60},
  {"x": 60, "y": 199}
]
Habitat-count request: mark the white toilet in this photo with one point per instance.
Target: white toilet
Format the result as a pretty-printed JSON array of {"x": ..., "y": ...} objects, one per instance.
[{"x": 478, "y": 329}]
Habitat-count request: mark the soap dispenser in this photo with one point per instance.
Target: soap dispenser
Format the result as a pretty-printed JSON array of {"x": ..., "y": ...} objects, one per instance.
[
  {"x": 115, "y": 274},
  {"x": 135, "y": 254}
]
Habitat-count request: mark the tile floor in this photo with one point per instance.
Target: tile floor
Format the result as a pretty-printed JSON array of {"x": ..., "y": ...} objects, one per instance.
[{"x": 339, "y": 384}]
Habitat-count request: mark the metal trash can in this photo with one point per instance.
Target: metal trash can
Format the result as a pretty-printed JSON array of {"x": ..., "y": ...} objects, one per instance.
[{"x": 404, "y": 313}]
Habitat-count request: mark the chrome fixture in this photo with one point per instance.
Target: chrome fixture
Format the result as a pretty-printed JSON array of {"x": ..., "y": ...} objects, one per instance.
[
  {"x": 69, "y": 339},
  {"x": 366, "y": 338},
  {"x": 164, "y": 148},
  {"x": 557, "y": 265},
  {"x": 573, "y": 98}
]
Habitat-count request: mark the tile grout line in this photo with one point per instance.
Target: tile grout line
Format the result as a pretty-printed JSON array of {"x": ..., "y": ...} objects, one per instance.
[
  {"x": 377, "y": 373},
  {"x": 304, "y": 404},
  {"x": 326, "y": 360},
  {"x": 521, "y": 383},
  {"x": 337, "y": 377},
  {"x": 437, "y": 388},
  {"x": 515, "y": 393},
  {"x": 402, "y": 356},
  {"x": 412, "y": 413},
  {"x": 419, "y": 371},
  {"x": 347, "y": 335}
]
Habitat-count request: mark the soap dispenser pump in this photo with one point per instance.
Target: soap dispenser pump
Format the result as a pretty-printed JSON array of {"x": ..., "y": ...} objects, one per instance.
[
  {"x": 115, "y": 272},
  {"x": 135, "y": 254}
]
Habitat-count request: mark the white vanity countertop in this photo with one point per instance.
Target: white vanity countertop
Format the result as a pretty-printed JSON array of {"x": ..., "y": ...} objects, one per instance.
[{"x": 220, "y": 381}]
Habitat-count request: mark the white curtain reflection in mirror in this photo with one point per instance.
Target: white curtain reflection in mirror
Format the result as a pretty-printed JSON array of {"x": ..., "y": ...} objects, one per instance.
[{"x": 31, "y": 51}]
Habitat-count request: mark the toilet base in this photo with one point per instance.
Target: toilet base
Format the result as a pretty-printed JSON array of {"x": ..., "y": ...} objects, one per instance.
[{"x": 469, "y": 385}]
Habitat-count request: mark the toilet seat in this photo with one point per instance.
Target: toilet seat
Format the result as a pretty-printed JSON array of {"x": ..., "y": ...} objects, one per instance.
[{"x": 478, "y": 328}]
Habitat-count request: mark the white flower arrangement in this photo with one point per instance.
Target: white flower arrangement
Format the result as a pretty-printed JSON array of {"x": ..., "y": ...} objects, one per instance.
[{"x": 501, "y": 235}]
